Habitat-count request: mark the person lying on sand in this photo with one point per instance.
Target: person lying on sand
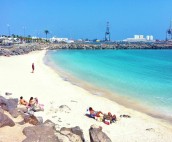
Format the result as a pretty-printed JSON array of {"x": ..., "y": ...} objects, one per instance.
[
  {"x": 110, "y": 117},
  {"x": 22, "y": 101},
  {"x": 92, "y": 113},
  {"x": 99, "y": 116}
]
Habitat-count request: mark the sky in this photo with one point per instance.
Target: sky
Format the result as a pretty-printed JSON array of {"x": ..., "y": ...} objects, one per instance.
[{"x": 81, "y": 19}]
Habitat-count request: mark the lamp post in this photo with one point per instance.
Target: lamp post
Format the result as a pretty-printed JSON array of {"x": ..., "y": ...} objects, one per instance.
[
  {"x": 8, "y": 26},
  {"x": 24, "y": 28}
]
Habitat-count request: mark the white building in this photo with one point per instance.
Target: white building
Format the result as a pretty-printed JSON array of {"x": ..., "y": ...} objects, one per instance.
[
  {"x": 140, "y": 38},
  {"x": 149, "y": 37},
  {"x": 55, "y": 39}
]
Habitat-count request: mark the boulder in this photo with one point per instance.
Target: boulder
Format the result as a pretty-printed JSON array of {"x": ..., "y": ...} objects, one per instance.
[
  {"x": 76, "y": 130},
  {"x": 96, "y": 135},
  {"x": 49, "y": 123},
  {"x": 74, "y": 134},
  {"x": 8, "y": 94},
  {"x": 12, "y": 104},
  {"x": 14, "y": 113},
  {"x": 5, "y": 120},
  {"x": 64, "y": 108},
  {"x": 8, "y": 104},
  {"x": 39, "y": 133},
  {"x": 1, "y": 110},
  {"x": 3, "y": 103},
  {"x": 22, "y": 109},
  {"x": 31, "y": 119}
]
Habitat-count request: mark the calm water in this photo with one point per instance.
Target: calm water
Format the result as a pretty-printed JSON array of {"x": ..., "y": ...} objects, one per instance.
[{"x": 145, "y": 75}]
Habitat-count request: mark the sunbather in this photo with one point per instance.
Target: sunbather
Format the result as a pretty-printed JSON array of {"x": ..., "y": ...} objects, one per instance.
[
  {"x": 110, "y": 117},
  {"x": 32, "y": 101},
  {"x": 23, "y": 102},
  {"x": 93, "y": 113},
  {"x": 34, "y": 105}
]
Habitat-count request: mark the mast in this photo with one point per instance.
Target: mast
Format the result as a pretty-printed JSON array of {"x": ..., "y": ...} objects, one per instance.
[
  {"x": 107, "y": 33},
  {"x": 169, "y": 32}
]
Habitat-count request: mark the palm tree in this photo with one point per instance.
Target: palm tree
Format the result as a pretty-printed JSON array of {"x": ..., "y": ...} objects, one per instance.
[
  {"x": 46, "y": 32},
  {"x": 13, "y": 35}
]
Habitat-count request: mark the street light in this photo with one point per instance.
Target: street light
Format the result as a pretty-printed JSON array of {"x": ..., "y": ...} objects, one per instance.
[
  {"x": 8, "y": 26},
  {"x": 24, "y": 28}
]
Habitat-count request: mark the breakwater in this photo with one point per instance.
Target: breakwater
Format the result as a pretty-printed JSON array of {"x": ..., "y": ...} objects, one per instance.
[
  {"x": 156, "y": 45},
  {"x": 19, "y": 49}
]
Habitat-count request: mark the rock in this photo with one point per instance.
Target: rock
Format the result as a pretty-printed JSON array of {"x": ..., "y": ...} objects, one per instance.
[
  {"x": 74, "y": 134},
  {"x": 1, "y": 110},
  {"x": 39, "y": 133},
  {"x": 8, "y": 104},
  {"x": 14, "y": 113},
  {"x": 76, "y": 130},
  {"x": 3, "y": 103},
  {"x": 40, "y": 119},
  {"x": 12, "y": 104},
  {"x": 22, "y": 109},
  {"x": 64, "y": 108},
  {"x": 62, "y": 137},
  {"x": 96, "y": 135},
  {"x": 150, "y": 129},
  {"x": 49, "y": 123},
  {"x": 8, "y": 94},
  {"x": 5, "y": 120},
  {"x": 31, "y": 119}
]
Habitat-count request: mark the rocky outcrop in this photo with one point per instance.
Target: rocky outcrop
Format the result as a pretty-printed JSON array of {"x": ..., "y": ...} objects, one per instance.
[
  {"x": 1, "y": 110},
  {"x": 49, "y": 123},
  {"x": 40, "y": 133},
  {"x": 5, "y": 120},
  {"x": 26, "y": 48},
  {"x": 8, "y": 104},
  {"x": 19, "y": 49},
  {"x": 46, "y": 133},
  {"x": 31, "y": 119},
  {"x": 96, "y": 134},
  {"x": 14, "y": 113},
  {"x": 74, "y": 134}
]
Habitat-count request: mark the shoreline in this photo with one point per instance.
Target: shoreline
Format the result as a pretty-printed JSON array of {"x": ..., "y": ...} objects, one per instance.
[
  {"x": 53, "y": 91},
  {"x": 127, "y": 102}
]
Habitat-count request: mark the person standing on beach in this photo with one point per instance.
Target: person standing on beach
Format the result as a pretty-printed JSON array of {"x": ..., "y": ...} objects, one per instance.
[{"x": 33, "y": 67}]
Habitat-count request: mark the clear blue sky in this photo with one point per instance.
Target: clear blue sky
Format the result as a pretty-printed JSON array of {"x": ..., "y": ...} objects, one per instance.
[{"x": 86, "y": 18}]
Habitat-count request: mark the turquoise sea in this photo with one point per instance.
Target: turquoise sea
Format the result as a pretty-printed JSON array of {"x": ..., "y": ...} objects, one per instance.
[{"x": 144, "y": 76}]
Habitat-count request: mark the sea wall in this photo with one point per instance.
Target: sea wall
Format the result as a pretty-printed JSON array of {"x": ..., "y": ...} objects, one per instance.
[{"x": 19, "y": 49}]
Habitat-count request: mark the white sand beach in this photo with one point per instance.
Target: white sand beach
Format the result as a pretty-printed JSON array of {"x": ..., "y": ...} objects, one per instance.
[{"x": 53, "y": 91}]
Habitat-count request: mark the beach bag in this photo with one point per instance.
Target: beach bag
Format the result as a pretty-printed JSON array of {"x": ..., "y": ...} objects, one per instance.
[
  {"x": 30, "y": 111},
  {"x": 107, "y": 122}
]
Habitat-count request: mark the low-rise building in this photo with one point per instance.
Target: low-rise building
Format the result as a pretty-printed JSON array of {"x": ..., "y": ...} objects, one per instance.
[{"x": 140, "y": 38}]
